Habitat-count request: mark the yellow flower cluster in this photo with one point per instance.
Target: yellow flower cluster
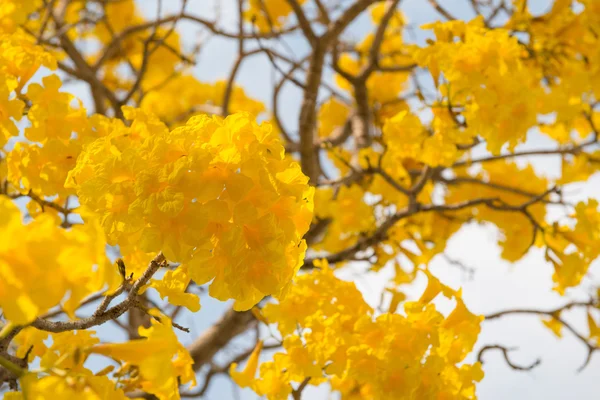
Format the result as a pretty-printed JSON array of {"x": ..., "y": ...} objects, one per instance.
[
  {"x": 20, "y": 58},
  {"x": 332, "y": 115},
  {"x": 14, "y": 13},
  {"x": 185, "y": 96},
  {"x": 62, "y": 364},
  {"x": 330, "y": 334},
  {"x": 407, "y": 137},
  {"x": 349, "y": 214},
  {"x": 43, "y": 165},
  {"x": 46, "y": 262},
  {"x": 268, "y": 15},
  {"x": 156, "y": 364},
  {"x": 215, "y": 194},
  {"x": 136, "y": 49},
  {"x": 484, "y": 72},
  {"x": 173, "y": 285},
  {"x": 562, "y": 43},
  {"x": 571, "y": 250},
  {"x": 76, "y": 385},
  {"x": 40, "y": 166},
  {"x": 219, "y": 197}
]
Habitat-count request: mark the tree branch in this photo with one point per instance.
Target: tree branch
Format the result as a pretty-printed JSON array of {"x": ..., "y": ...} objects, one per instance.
[
  {"x": 216, "y": 337},
  {"x": 111, "y": 313}
]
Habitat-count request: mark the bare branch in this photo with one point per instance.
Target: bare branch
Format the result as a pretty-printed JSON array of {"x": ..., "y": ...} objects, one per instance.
[
  {"x": 505, "y": 351},
  {"x": 438, "y": 7},
  {"x": 216, "y": 337},
  {"x": 555, "y": 314},
  {"x": 309, "y": 34}
]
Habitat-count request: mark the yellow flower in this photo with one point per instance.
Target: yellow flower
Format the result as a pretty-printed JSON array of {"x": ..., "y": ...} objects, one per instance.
[
  {"x": 21, "y": 57},
  {"x": 163, "y": 362},
  {"x": 594, "y": 329},
  {"x": 173, "y": 285},
  {"x": 486, "y": 74},
  {"x": 329, "y": 334},
  {"x": 46, "y": 262},
  {"x": 81, "y": 385},
  {"x": 11, "y": 110},
  {"x": 554, "y": 325},
  {"x": 216, "y": 194},
  {"x": 69, "y": 350},
  {"x": 43, "y": 169},
  {"x": 246, "y": 377},
  {"x": 31, "y": 338},
  {"x": 268, "y": 15},
  {"x": 332, "y": 114},
  {"x": 51, "y": 114},
  {"x": 14, "y": 13}
]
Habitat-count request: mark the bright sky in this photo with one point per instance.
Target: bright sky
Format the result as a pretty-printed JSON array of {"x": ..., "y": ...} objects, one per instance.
[{"x": 496, "y": 285}]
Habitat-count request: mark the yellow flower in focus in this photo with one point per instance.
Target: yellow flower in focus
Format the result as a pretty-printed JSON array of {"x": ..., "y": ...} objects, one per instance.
[{"x": 216, "y": 194}]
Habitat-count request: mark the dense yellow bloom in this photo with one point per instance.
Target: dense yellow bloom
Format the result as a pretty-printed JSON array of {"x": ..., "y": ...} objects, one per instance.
[
  {"x": 60, "y": 132},
  {"x": 157, "y": 364},
  {"x": 329, "y": 334},
  {"x": 216, "y": 194},
  {"x": 46, "y": 262},
  {"x": 485, "y": 74},
  {"x": 562, "y": 43},
  {"x": 21, "y": 57},
  {"x": 51, "y": 115},
  {"x": 42, "y": 169}
]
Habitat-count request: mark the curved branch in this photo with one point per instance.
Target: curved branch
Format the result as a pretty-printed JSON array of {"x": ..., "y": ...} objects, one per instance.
[
  {"x": 505, "y": 351},
  {"x": 591, "y": 348}
]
